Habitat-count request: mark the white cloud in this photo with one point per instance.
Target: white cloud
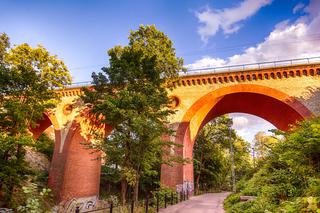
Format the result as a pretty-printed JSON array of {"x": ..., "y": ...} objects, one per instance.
[
  {"x": 299, "y": 39},
  {"x": 240, "y": 122},
  {"x": 227, "y": 19},
  {"x": 207, "y": 62},
  {"x": 298, "y": 8},
  {"x": 247, "y": 125}
]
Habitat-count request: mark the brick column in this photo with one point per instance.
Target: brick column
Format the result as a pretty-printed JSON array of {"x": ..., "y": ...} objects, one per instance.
[{"x": 75, "y": 172}]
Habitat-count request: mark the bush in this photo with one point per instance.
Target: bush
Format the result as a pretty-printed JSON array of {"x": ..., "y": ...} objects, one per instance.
[
  {"x": 35, "y": 201},
  {"x": 45, "y": 145},
  {"x": 231, "y": 200},
  {"x": 288, "y": 180},
  {"x": 313, "y": 188}
]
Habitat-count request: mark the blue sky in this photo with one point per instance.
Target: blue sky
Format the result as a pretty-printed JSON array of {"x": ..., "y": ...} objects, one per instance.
[{"x": 205, "y": 32}]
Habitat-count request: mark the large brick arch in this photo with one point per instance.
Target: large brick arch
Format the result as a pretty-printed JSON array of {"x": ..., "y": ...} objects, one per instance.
[{"x": 270, "y": 104}]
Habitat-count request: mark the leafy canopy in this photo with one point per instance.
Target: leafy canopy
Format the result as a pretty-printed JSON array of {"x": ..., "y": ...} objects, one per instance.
[
  {"x": 131, "y": 96},
  {"x": 289, "y": 178},
  {"x": 28, "y": 77},
  {"x": 212, "y": 161}
]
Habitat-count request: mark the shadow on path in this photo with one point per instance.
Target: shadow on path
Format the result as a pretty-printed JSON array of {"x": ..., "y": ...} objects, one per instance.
[{"x": 207, "y": 203}]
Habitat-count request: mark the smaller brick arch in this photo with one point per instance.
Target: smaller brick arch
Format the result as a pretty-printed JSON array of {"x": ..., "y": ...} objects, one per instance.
[
  {"x": 285, "y": 74},
  {"x": 279, "y": 75},
  {"x": 254, "y": 77},
  {"x": 214, "y": 80},
  {"x": 311, "y": 72},
  {"x": 291, "y": 73},
  {"x": 272, "y": 75},
  {"x": 225, "y": 78}
]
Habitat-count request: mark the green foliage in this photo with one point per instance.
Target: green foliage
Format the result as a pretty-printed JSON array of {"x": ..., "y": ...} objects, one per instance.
[
  {"x": 35, "y": 201},
  {"x": 163, "y": 192},
  {"x": 13, "y": 167},
  {"x": 231, "y": 200},
  {"x": 27, "y": 79},
  {"x": 131, "y": 94},
  {"x": 45, "y": 145},
  {"x": 288, "y": 180},
  {"x": 263, "y": 144},
  {"x": 212, "y": 164}
]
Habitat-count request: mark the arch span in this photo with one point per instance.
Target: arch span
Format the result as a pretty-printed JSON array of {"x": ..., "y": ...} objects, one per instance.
[
  {"x": 270, "y": 104},
  {"x": 47, "y": 120}
]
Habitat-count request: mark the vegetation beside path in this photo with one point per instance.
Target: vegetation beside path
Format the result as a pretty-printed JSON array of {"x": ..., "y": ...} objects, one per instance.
[{"x": 287, "y": 179}]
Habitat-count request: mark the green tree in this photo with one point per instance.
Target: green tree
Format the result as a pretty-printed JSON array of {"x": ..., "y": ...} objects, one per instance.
[
  {"x": 28, "y": 77},
  {"x": 131, "y": 95},
  {"x": 263, "y": 144},
  {"x": 289, "y": 178},
  {"x": 45, "y": 145},
  {"x": 212, "y": 160}
]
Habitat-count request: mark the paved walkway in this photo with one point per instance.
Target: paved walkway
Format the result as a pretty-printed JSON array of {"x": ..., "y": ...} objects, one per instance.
[{"x": 207, "y": 203}]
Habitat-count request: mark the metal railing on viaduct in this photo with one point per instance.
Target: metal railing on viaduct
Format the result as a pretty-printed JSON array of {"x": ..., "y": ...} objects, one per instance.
[{"x": 233, "y": 68}]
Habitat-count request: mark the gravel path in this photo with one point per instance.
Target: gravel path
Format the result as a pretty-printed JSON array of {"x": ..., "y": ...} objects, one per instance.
[{"x": 207, "y": 203}]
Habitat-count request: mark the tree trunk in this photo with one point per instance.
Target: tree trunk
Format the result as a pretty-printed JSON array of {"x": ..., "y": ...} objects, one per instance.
[
  {"x": 198, "y": 177},
  {"x": 136, "y": 190},
  {"x": 124, "y": 186},
  {"x": 198, "y": 184}
]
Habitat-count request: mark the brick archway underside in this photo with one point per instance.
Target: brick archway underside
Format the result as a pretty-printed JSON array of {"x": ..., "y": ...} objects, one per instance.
[{"x": 272, "y": 105}]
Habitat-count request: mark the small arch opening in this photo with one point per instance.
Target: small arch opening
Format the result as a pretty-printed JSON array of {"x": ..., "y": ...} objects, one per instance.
[
  {"x": 305, "y": 73},
  {"x": 272, "y": 75},
  {"x": 285, "y": 74},
  {"x": 311, "y": 71},
  {"x": 279, "y": 75},
  {"x": 291, "y": 73},
  {"x": 254, "y": 77},
  {"x": 204, "y": 81}
]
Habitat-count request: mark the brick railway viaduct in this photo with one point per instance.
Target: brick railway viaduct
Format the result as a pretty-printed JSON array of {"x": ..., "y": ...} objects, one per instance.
[{"x": 281, "y": 95}]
